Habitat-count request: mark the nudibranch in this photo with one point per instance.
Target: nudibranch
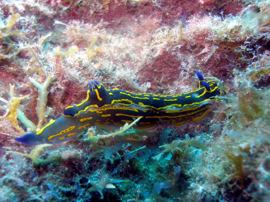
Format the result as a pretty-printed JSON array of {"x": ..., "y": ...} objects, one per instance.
[{"x": 113, "y": 107}]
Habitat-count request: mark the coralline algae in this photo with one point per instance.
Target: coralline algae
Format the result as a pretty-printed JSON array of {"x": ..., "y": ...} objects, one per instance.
[{"x": 50, "y": 50}]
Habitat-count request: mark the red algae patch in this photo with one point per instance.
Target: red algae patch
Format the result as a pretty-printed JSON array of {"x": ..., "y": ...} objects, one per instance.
[
  {"x": 163, "y": 71},
  {"x": 69, "y": 93}
]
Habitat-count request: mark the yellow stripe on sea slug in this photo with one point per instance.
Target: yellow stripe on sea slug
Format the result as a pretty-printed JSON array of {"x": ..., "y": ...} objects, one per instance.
[
  {"x": 86, "y": 119},
  {"x": 205, "y": 91},
  {"x": 97, "y": 94},
  {"x": 70, "y": 106},
  {"x": 44, "y": 127},
  {"x": 86, "y": 108},
  {"x": 85, "y": 126},
  {"x": 85, "y": 100},
  {"x": 178, "y": 110},
  {"x": 214, "y": 89},
  {"x": 143, "y": 105},
  {"x": 135, "y": 97},
  {"x": 128, "y": 115},
  {"x": 122, "y": 100},
  {"x": 124, "y": 93},
  {"x": 61, "y": 132},
  {"x": 104, "y": 109},
  {"x": 71, "y": 134},
  {"x": 185, "y": 105},
  {"x": 197, "y": 103},
  {"x": 143, "y": 94},
  {"x": 170, "y": 100},
  {"x": 105, "y": 115}
]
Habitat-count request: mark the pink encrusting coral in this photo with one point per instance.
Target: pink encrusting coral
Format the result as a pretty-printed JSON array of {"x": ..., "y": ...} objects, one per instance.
[{"x": 50, "y": 50}]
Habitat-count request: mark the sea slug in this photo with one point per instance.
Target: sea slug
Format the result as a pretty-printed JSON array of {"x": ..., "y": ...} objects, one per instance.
[{"x": 105, "y": 107}]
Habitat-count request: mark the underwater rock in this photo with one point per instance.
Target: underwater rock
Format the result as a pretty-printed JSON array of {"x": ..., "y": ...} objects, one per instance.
[{"x": 148, "y": 51}]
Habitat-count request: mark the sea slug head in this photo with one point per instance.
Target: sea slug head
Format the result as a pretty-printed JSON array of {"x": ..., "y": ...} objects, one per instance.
[{"x": 211, "y": 84}]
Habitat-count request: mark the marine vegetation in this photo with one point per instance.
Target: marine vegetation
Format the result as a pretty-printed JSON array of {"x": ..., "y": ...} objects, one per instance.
[{"x": 134, "y": 100}]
